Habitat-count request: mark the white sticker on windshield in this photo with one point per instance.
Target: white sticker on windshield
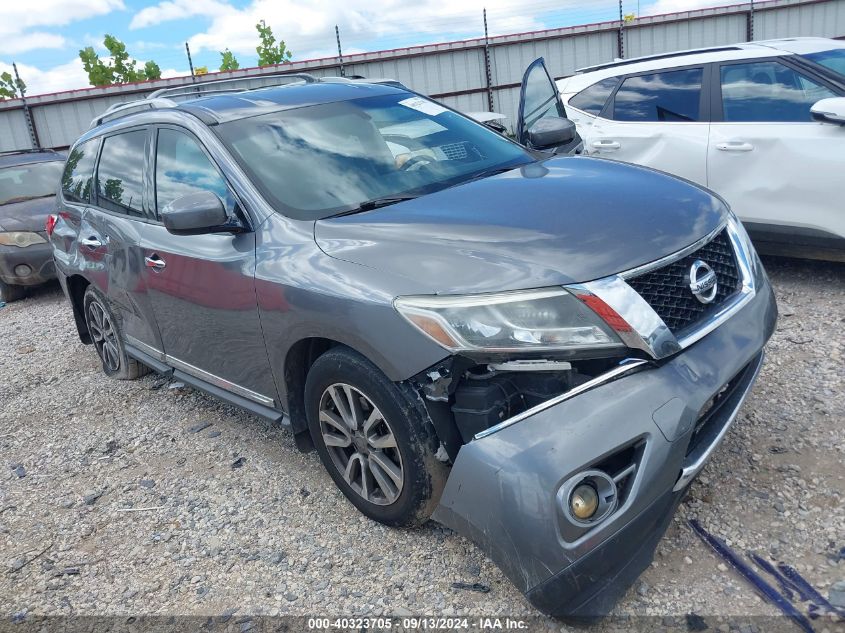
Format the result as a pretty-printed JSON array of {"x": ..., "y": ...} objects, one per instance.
[{"x": 422, "y": 105}]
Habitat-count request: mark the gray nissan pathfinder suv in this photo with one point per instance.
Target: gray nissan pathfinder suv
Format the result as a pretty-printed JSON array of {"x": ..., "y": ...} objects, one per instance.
[{"x": 538, "y": 351}]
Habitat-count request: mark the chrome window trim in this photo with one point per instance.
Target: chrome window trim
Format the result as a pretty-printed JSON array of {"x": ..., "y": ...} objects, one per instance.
[
  {"x": 196, "y": 372},
  {"x": 623, "y": 368},
  {"x": 689, "y": 472}
]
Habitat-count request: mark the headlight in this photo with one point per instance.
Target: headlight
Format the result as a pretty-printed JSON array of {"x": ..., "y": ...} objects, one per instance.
[
  {"x": 21, "y": 239},
  {"x": 543, "y": 320}
]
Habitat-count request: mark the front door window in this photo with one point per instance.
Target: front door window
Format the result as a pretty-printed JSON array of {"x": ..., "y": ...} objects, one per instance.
[{"x": 768, "y": 91}]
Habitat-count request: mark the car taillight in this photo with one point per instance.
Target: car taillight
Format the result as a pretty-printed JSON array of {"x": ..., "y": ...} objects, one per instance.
[{"x": 51, "y": 223}]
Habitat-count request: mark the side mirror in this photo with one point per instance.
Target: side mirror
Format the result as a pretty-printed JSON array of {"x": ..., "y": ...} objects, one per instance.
[
  {"x": 552, "y": 131},
  {"x": 195, "y": 213},
  {"x": 829, "y": 111}
]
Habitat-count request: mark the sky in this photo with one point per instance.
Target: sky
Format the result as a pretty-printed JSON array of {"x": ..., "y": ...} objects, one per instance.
[{"x": 44, "y": 36}]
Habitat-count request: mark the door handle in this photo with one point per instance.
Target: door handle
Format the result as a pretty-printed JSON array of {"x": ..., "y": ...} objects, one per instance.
[
  {"x": 91, "y": 242},
  {"x": 606, "y": 144},
  {"x": 155, "y": 262},
  {"x": 735, "y": 146}
]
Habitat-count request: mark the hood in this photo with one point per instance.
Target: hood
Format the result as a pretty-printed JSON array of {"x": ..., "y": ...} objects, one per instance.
[
  {"x": 29, "y": 215},
  {"x": 561, "y": 221}
]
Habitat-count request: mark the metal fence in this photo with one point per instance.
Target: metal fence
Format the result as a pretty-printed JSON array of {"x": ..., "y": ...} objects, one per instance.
[{"x": 469, "y": 75}]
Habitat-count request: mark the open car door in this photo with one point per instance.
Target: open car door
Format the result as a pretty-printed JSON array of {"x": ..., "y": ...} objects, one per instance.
[{"x": 542, "y": 122}]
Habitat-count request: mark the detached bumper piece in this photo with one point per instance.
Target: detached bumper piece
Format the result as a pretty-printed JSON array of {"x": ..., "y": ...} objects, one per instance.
[{"x": 639, "y": 440}]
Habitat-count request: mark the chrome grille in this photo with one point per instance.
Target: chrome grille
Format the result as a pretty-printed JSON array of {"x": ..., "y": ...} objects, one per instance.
[{"x": 667, "y": 290}]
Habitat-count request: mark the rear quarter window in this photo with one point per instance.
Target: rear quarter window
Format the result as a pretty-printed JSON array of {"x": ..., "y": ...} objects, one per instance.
[{"x": 592, "y": 99}]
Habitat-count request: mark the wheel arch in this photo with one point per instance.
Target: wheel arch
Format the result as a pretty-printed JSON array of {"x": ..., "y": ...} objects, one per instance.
[{"x": 298, "y": 360}]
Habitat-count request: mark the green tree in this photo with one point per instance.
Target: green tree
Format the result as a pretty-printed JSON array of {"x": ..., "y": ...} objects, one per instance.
[
  {"x": 151, "y": 70},
  {"x": 269, "y": 52},
  {"x": 228, "y": 60},
  {"x": 113, "y": 189},
  {"x": 122, "y": 68},
  {"x": 10, "y": 88}
]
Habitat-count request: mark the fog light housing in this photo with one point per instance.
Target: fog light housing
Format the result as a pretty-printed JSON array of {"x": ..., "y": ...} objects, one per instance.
[
  {"x": 584, "y": 502},
  {"x": 23, "y": 270},
  {"x": 588, "y": 498}
]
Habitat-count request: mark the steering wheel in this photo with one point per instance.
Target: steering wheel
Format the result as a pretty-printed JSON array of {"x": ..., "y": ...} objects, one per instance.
[{"x": 415, "y": 162}]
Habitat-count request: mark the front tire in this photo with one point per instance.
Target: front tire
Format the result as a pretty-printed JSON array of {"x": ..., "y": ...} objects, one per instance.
[
  {"x": 106, "y": 337},
  {"x": 374, "y": 438}
]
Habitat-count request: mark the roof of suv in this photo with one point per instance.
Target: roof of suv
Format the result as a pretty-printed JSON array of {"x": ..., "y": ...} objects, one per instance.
[
  {"x": 237, "y": 105},
  {"x": 212, "y": 103},
  {"x": 23, "y": 157},
  {"x": 764, "y": 48}
]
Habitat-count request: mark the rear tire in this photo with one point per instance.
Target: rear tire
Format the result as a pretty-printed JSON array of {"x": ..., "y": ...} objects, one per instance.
[
  {"x": 107, "y": 338},
  {"x": 10, "y": 292},
  {"x": 374, "y": 438}
]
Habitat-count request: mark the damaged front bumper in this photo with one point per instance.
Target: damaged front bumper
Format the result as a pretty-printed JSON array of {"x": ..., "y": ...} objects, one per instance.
[
  {"x": 651, "y": 429},
  {"x": 27, "y": 266}
]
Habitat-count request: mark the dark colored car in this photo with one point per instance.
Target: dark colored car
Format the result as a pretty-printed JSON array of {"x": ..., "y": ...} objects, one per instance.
[
  {"x": 28, "y": 184},
  {"x": 540, "y": 352}
]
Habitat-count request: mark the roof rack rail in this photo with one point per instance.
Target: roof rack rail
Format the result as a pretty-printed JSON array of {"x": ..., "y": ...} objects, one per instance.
[
  {"x": 195, "y": 89},
  {"x": 648, "y": 58},
  {"x": 167, "y": 97},
  {"x": 119, "y": 110}
]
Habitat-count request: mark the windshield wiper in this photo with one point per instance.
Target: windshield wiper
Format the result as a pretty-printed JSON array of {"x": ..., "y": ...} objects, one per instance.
[
  {"x": 375, "y": 203},
  {"x": 491, "y": 172},
  {"x": 25, "y": 198}
]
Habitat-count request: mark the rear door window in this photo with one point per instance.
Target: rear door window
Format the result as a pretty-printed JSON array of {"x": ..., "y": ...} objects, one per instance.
[
  {"x": 768, "y": 91},
  {"x": 591, "y": 100},
  {"x": 671, "y": 96},
  {"x": 78, "y": 175},
  {"x": 120, "y": 174},
  {"x": 182, "y": 167}
]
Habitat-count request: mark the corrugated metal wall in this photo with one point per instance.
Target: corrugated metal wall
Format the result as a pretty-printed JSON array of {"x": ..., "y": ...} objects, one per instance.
[{"x": 454, "y": 72}]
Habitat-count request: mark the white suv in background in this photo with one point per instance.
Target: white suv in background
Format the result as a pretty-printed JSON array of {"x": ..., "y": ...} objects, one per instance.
[{"x": 762, "y": 124}]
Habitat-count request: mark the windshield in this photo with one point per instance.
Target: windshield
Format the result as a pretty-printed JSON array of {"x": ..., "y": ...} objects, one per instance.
[
  {"x": 833, "y": 59},
  {"x": 24, "y": 182},
  {"x": 317, "y": 161}
]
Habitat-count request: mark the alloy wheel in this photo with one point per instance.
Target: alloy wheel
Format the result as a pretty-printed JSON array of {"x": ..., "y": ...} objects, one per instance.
[
  {"x": 361, "y": 444},
  {"x": 104, "y": 336}
]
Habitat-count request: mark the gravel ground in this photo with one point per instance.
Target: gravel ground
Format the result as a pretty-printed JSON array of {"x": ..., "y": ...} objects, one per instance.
[{"x": 120, "y": 498}]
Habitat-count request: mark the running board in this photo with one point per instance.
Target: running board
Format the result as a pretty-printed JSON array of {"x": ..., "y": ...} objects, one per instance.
[
  {"x": 153, "y": 363},
  {"x": 197, "y": 383}
]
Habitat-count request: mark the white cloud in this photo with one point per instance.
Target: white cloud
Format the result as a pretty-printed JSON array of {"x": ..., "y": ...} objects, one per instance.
[
  {"x": 13, "y": 43},
  {"x": 17, "y": 18},
  {"x": 308, "y": 28},
  {"x": 177, "y": 10},
  {"x": 673, "y": 6},
  {"x": 67, "y": 76}
]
